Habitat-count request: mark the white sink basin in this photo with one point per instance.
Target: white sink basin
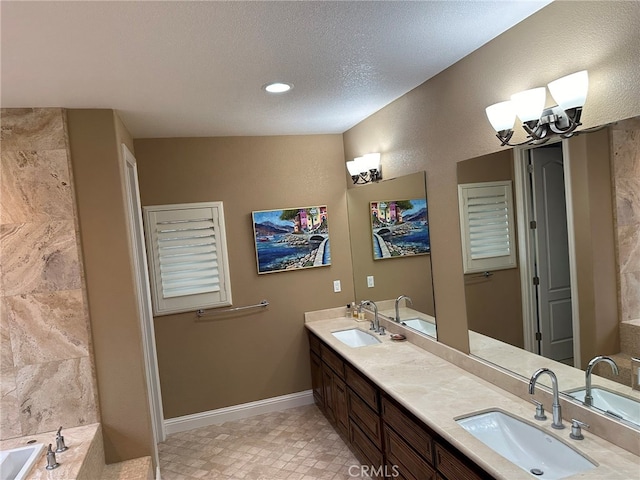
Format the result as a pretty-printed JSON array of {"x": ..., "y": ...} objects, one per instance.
[
  {"x": 354, "y": 337},
  {"x": 619, "y": 406},
  {"x": 15, "y": 464},
  {"x": 529, "y": 447},
  {"x": 420, "y": 325}
]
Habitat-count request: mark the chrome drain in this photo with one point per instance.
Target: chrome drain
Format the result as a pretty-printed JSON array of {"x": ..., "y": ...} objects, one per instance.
[{"x": 536, "y": 471}]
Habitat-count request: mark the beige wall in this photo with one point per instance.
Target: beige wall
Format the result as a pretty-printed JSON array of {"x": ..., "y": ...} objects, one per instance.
[
  {"x": 442, "y": 121},
  {"x": 46, "y": 374},
  {"x": 95, "y": 138},
  {"x": 234, "y": 359}
]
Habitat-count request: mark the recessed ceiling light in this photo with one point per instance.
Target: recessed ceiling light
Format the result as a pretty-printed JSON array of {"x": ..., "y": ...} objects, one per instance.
[{"x": 277, "y": 87}]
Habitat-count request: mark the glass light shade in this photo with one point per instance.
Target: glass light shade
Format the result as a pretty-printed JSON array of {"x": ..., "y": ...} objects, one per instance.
[
  {"x": 570, "y": 91},
  {"x": 530, "y": 103},
  {"x": 501, "y": 115},
  {"x": 371, "y": 161},
  {"x": 353, "y": 167}
]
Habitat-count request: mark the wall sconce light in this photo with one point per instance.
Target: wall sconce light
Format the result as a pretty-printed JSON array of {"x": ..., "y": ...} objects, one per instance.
[
  {"x": 365, "y": 169},
  {"x": 541, "y": 123}
]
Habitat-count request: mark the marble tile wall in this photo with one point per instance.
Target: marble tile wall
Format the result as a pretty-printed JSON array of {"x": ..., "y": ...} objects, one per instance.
[
  {"x": 46, "y": 369},
  {"x": 626, "y": 178}
]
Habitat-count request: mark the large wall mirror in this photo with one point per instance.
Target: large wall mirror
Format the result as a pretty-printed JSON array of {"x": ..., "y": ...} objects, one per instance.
[
  {"x": 574, "y": 291},
  {"x": 385, "y": 280}
]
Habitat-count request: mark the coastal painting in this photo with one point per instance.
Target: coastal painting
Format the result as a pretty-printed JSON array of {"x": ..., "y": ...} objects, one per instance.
[
  {"x": 291, "y": 239},
  {"x": 400, "y": 228}
]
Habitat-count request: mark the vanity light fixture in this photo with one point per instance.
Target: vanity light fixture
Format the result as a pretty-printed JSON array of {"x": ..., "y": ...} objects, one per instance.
[
  {"x": 277, "y": 87},
  {"x": 540, "y": 123},
  {"x": 365, "y": 169}
]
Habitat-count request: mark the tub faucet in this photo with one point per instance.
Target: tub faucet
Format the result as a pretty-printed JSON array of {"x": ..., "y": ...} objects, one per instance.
[
  {"x": 407, "y": 299},
  {"x": 557, "y": 409},
  {"x": 588, "y": 398},
  {"x": 375, "y": 325},
  {"x": 60, "y": 446},
  {"x": 51, "y": 459}
]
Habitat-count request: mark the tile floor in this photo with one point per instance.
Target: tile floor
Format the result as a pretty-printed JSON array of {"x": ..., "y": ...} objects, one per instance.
[{"x": 295, "y": 444}]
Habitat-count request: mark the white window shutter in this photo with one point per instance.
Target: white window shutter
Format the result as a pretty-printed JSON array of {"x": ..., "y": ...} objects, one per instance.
[
  {"x": 188, "y": 257},
  {"x": 487, "y": 226}
]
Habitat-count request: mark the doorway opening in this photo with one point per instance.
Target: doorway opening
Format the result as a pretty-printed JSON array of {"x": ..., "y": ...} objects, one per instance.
[
  {"x": 546, "y": 252},
  {"x": 143, "y": 295}
]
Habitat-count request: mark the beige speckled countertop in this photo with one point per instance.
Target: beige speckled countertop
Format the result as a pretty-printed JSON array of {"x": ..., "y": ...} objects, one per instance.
[{"x": 438, "y": 391}]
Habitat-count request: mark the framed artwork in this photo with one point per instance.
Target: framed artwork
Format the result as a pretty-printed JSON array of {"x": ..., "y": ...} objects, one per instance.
[
  {"x": 399, "y": 228},
  {"x": 291, "y": 239}
]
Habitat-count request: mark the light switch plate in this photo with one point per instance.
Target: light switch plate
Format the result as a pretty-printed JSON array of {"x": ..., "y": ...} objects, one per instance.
[
  {"x": 336, "y": 286},
  {"x": 370, "y": 282}
]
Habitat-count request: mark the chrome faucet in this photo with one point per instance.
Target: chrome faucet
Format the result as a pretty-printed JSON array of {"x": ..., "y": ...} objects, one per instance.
[
  {"x": 588, "y": 398},
  {"x": 375, "y": 325},
  {"x": 407, "y": 299},
  {"x": 557, "y": 409}
]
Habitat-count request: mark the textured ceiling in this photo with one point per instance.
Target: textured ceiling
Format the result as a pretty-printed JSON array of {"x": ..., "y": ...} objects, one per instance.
[{"x": 187, "y": 68}]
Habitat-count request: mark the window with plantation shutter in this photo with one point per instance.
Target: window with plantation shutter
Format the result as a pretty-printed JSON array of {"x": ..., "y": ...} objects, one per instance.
[
  {"x": 187, "y": 252},
  {"x": 487, "y": 226}
]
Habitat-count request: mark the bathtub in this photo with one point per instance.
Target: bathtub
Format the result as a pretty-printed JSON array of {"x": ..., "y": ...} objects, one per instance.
[
  {"x": 84, "y": 460},
  {"x": 16, "y": 463}
]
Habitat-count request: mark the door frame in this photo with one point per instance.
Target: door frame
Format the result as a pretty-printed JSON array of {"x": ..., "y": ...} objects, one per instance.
[
  {"x": 143, "y": 294},
  {"x": 526, "y": 247}
]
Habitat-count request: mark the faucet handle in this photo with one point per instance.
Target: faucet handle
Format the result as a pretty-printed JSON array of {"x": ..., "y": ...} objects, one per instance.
[
  {"x": 576, "y": 429},
  {"x": 381, "y": 330},
  {"x": 540, "y": 415},
  {"x": 372, "y": 326}
]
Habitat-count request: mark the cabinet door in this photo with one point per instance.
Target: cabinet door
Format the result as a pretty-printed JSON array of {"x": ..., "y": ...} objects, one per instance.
[
  {"x": 340, "y": 405},
  {"x": 316, "y": 380},
  {"x": 327, "y": 384},
  {"x": 366, "y": 451},
  {"x": 405, "y": 458},
  {"x": 409, "y": 428}
]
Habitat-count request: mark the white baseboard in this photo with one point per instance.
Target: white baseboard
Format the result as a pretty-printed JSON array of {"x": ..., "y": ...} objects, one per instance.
[{"x": 237, "y": 412}]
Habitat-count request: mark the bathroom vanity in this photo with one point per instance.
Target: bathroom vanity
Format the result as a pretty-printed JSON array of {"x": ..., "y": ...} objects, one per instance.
[
  {"x": 381, "y": 431},
  {"x": 396, "y": 405}
]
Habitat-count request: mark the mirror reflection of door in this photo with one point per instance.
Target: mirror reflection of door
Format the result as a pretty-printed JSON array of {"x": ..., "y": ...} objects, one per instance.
[{"x": 550, "y": 257}]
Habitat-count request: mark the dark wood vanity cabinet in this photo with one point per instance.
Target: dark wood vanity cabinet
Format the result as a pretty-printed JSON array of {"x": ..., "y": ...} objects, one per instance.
[
  {"x": 408, "y": 444},
  {"x": 382, "y": 433},
  {"x": 365, "y": 423}
]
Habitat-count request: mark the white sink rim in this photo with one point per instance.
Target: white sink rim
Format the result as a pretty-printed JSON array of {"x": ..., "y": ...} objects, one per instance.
[
  {"x": 551, "y": 455},
  {"x": 619, "y": 404},
  {"x": 355, "y": 338},
  {"x": 20, "y": 471},
  {"x": 420, "y": 326}
]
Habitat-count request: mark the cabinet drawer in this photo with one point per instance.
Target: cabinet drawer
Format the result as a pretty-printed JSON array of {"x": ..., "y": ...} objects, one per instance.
[
  {"x": 408, "y": 428},
  {"x": 453, "y": 468},
  {"x": 367, "y": 391},
  {"x": 332, "y": 359},
  {"x": 410, "y": 464},
  {"x": 369, "y": 454},
  {"x": 314, "y": 343},
  {"x": 368, "y": 420}
]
